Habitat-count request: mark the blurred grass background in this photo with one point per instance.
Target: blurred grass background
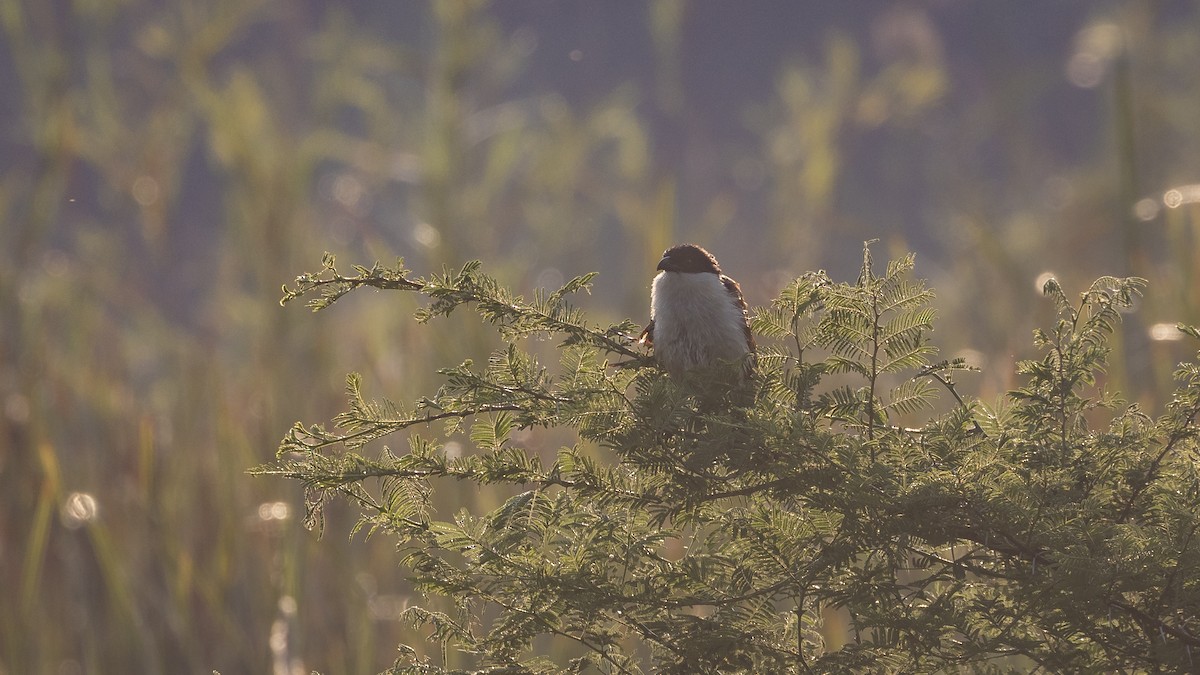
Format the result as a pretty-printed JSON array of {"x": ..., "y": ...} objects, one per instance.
[{"x": 166, "y": 166}]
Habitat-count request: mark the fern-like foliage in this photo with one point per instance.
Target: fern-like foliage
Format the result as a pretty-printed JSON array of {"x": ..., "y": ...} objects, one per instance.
[{"x": 819, "y": 525}]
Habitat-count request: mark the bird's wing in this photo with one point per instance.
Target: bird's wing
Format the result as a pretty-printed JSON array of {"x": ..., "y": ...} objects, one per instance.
[
  {"x": 647, "y": 336},
  {"x": 735, "y": 292}
]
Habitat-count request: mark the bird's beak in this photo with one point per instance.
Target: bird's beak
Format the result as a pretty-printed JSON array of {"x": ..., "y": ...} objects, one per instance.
[{"x": 664, "y": 264}]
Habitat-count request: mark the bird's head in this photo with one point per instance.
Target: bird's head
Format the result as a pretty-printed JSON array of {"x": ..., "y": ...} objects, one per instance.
[{"x": 688, "y": 258}]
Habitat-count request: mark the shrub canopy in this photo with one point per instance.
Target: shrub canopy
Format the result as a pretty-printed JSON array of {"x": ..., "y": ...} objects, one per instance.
[{"x": 832, "y": 516}]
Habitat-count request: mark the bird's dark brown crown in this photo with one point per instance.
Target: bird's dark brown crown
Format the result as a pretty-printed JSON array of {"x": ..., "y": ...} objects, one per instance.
[{"x": 688, "y": 258}]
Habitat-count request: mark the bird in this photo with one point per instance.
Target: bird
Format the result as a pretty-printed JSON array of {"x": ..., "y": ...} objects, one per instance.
[{"x": 698, "y": 316}]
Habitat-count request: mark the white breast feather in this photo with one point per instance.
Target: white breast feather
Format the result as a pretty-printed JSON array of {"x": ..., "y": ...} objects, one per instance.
[{"x": 696, "y": 321}]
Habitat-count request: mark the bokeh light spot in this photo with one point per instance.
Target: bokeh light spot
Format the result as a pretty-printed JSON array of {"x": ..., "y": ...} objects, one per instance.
[
  {"x": 1165, "y": 332},
  {"x": 1146, "y": 209},
  {"x": 145, "y": 190},
  {"x": 79, "y": 509},
  {"x": 1039, "y": 284}
]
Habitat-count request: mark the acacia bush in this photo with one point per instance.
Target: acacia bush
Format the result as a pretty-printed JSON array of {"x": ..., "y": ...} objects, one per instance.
[{"x": 694, "y": 530}]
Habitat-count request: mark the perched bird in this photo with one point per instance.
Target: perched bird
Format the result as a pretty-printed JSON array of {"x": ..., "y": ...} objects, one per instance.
[{"x": 698, "y": 317}]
